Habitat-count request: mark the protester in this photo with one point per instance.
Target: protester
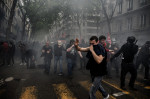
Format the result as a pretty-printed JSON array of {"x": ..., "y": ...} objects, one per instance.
[
  {"x": 58, "y": 48},
  {"x": 102, "y": 42},
  {"x": 47, "y": 53},
  {"x": 97, "y": 65},
  {"x": 22, "y": 47},
  {"x": 5, "y": 53},
  {"x": 71, "y": 56}
]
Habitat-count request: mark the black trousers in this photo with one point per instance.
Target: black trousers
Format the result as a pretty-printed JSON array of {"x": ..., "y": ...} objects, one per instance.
[
  {"x": 11, "y": 58},
  {"x": 5, "y": 57},
  {"x": 28, "y": 60},
  {"x": 125, "y": 68},
  {"x": 83, "y": 62},
  {"x": 22, "y": 57},
  {"x": 145, "y": 63},
  {"x": 47, "y": 63}
]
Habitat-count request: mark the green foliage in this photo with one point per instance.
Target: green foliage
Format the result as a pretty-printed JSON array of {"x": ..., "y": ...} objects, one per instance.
[
  {"x": 41, "y": 13},
  {"x": 44, "y": 14}
]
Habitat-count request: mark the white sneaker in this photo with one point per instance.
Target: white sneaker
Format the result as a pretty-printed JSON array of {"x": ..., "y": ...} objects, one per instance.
[
  {"x": 21, "y": 64},
  {"x": 107, "y": 97}
]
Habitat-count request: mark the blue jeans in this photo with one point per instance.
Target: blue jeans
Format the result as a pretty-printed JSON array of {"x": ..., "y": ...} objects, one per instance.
[
  {"x": 96, "y": 85},
  {"x": 47, "y": 63},
  {"x": 70, "y": 65},
  {"x": 56, "y": 60}
]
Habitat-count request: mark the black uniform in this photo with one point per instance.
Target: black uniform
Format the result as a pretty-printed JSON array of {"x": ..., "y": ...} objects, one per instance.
[
  {"x": 143, "y": 58},
  {"x": 128, "y": 50}
]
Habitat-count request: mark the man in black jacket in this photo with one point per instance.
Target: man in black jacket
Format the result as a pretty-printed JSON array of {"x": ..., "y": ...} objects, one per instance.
[
  {"x": 47, "y": 54},
  {"x": 97, "y": 65},
  {"x": 58, "y": 48},
  {"x": 128, "y": 50}
]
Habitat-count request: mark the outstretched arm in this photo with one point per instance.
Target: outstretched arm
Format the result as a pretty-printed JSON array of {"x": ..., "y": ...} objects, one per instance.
[
  {"x": 79, "y": 48},
  {"x": 117, "y": 54}
]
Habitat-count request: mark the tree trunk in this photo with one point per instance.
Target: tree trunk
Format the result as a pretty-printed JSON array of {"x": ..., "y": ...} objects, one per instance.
[
  {"x": 12, "y": 12},
  {"x": 109, "y": 27},
  {"x": 24, "y": 25},
  {"x": 107, "y": 18}
]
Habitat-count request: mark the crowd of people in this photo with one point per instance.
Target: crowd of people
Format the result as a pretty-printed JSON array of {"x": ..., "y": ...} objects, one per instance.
[{"x": 98, "y": 56}]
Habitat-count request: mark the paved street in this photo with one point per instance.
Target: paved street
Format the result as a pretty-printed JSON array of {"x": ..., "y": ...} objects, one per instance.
[
  {"x": 35, "y": 84},
  {"x": 38, "y": 32}
]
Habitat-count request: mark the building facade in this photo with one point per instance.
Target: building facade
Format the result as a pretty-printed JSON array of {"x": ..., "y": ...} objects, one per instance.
[{"x": 131, "y": 18}]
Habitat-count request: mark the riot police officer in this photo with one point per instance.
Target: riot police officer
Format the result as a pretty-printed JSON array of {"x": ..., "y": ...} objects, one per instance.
[
  {"x": 128, "y": 50},
  {"x": 143, "y": 58}
]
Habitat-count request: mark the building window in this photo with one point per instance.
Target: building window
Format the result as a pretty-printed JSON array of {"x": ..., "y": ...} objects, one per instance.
[
  {"x": 143, "y": 20},
  {"x": 129, "y": 23},
  {"x": 130, "y": 5},
  {"x": 143, "y": 2},
  {"x": 120, "y": 6}
]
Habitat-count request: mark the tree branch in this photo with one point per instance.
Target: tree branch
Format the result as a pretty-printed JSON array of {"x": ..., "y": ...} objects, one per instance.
[{"x": 113, "y": 10}]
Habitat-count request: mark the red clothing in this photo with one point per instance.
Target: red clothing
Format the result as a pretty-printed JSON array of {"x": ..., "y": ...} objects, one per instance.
[
  {"x": 106, "y": 48},
  {"x": 108, "y": 53},
  {"x": 5, "y": 46}
]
